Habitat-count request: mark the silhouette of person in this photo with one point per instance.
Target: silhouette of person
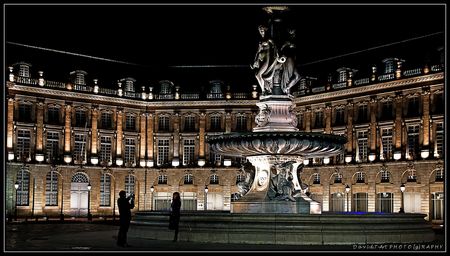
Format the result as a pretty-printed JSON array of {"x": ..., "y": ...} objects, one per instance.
[
  {"x": 125, "y": 205},
  {"x": 174, "y": 219}
]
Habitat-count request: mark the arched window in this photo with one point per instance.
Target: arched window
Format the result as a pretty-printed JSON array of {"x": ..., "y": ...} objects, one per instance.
[
  {"x": 316, "y": 178},
  {"x": 188, "y": 178},
  {"x": 337, "y": 178},
  {"x": 214, "y": 179},
  {"x": 240, "y": 177},
  {"x": 80, "y": 178},
  {"x": 51, "y": 189},
  {"x": 385, "y": 176},
  {"x": 360, "y": 177},
  {"x": 439, "y": 175},
  {"x": 162, "y": 179},
  {"x": 337, "y": 202}
]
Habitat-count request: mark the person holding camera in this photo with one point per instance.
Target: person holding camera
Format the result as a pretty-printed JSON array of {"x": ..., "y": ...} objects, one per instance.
[{"x": 125, "y": 205}]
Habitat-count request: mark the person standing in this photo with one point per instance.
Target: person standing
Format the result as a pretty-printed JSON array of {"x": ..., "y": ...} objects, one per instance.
[
  {"x": 125, "y": 205},
  {"x": 174, "y": 219}
]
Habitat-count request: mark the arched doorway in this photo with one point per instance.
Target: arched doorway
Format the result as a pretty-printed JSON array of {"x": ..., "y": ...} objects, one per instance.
[{"x": 79, "y": 194}]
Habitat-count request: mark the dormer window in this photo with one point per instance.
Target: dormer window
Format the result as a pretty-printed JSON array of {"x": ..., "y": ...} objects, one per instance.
[
  {"x": 129, "y": 84},
  {"x": 24, "y": 69},
  {"x": 78, "y": 77}
]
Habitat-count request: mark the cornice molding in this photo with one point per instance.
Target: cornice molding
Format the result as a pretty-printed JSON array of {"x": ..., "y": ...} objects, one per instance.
[
  {"x": 104, "y": 100},
  {"x": 347, "y": 93}
]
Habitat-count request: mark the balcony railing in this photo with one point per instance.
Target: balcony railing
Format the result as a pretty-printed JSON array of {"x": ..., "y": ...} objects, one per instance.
[
  {"x": 386, "y": 77},
  {"x": 412, "y": 72},
  {"x": 54, "y": 84},
  {"x": 362, "y": 81}
]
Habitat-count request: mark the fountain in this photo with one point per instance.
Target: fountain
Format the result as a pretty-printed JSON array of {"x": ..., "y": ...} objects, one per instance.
[
  {"x": 272, "y": 206},
  {"x": 275, "y": 148}
]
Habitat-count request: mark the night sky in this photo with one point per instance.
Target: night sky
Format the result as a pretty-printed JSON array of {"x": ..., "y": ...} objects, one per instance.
[{"x": 160, "y": 38}]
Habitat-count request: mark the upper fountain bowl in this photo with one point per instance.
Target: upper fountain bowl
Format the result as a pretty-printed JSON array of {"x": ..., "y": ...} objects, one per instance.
[{"x": 305, "y": 144}]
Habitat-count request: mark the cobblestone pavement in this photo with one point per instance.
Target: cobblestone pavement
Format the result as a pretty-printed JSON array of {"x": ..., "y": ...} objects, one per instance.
[{"x": 99, "y": 236}]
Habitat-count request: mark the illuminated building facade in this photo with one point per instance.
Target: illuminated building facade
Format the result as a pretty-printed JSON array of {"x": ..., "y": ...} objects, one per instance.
[{"x": 73, "y": 145}]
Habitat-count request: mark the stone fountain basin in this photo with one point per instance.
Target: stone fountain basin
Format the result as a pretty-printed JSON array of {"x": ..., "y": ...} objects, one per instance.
[{"x": 305, "y": 144}]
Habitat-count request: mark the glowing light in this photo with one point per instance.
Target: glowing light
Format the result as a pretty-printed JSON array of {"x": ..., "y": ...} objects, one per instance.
[
  {"x": 119, "y": 161},
  {"x": 348, "y": 158},
  {"x": 326, "y": 160},
  {"x": 306, "y": 162},
  {"x": 201, "y": 162},
  {"x": 150, "y": 163},
  {"x": 227, "y": 162},
  {"x": 424, "y": 153},
  {"x": 372, "y": 157},
  {"x": 67, "y": 159},
  {"x": 142, "y": 162},
  {"x": 10, "y": 156},
  {"x": 175, "y": 162},
  {"x": 39, "y": 157},
  {"x": 397, "y": 155},
  {"x": 402, "y": 188},
  {"x": 94, "y": 160}
]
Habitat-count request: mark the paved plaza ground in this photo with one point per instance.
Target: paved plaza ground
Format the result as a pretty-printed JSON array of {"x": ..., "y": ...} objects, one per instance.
[{"x": 100, "y": 235}]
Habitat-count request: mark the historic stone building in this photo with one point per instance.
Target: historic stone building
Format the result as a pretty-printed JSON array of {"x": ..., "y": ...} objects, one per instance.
[{"x": 73, "y": 145}]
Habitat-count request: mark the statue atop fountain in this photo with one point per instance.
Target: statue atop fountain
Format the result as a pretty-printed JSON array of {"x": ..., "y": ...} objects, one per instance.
[{"x": 275, "y": 148}]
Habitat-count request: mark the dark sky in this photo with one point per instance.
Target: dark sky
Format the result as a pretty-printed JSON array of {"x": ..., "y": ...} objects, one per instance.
[{"x": 158, "y": 37}]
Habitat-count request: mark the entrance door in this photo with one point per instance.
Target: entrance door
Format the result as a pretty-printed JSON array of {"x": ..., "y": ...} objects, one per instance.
[
  {"x": 412, "y": 202},
  {"x": 79, "y": 195},
  {"x": 215, "y": 201}
]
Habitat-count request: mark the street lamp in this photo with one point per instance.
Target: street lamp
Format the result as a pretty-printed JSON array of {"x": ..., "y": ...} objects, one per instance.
[
  {"x": 206, "y": 197},
  {"x": 402, "y": 189},
  {"x": 151, "y": 190},
  {"x": 89, "y": 201},
  {"x": 347, "y": 189},
  {"x": 16, "y": 186}
]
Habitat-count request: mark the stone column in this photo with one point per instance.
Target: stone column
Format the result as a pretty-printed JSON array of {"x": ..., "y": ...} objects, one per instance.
[
  {"x": 143, "y": 136},
  {"x": 228, "y": 121},
  {"x": 398, "y": 124},
  {"x": 150, "y": 141},
  {"x": 426, "y": 120},
  {"x": 94, "y": 136},
  {"x": 328, "y": 118},
  {"x": 176, "y": 136},
  {"x": 308, "y": 119},
  {"x": 40, "y": 127},
  {"x": 349, "y": 128},
  {"x": 10, "y": 124},
  {"x": 67, "y": 130},
  {"x": 202, "y": 134},
  {"x": 373, "y": 126},
  {"x": 119, "y": 134}
]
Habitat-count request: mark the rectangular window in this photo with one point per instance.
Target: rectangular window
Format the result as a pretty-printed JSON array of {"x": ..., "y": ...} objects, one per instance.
[
  {"x": 360, "y": 202},
  {"x": 215, "y": 123},
  {"x": 189, "y": 123},
  {"x": 339, "y": 116},
  {"x": 413, "y": 107},
  {"x": 339, "y": 158},
  {"x": 385, "y": 202},
  {"x": 129, "y": 184},
  {"x": 386, "y": 140},
  {"x": 163, "y": 124},
  {"x": 342, "y": 76},
  {"x": 106, "y": 120},
  {"x": 413, "y": 142},
  {"x": 23, "y": 144},
  {"x": 337, "y": 202},
  {"x": 386, "y": 111},
  {"x": 437, "y": 206},
  {"x": 130, "y": 123},
  {"x": 440, "y": 139},
  {"x": 23, "y": 192},
  {"x": 318, "y": 123},
  {"x": 105, "y": 190},
  {"x": 188, "y": 152},
  {"x": 51, "y": 189},
  {"x": 241, "y": 123},
  {"x": 52, "y": 145},
  {"x": 80, "y": 118},
  {"x": 363, "y": 115},
  {"x": 25, "y": 112},
  {"x": 130, "y": 149},
  {"x": 105, "y": 149},
  {"x": 362, "y": 146},
  {"x": 163, "y": 151},
  {"x": 53, "y": 115},
  {"x": 79, "y": 151},
  {"x": 360, "y": 177}
]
